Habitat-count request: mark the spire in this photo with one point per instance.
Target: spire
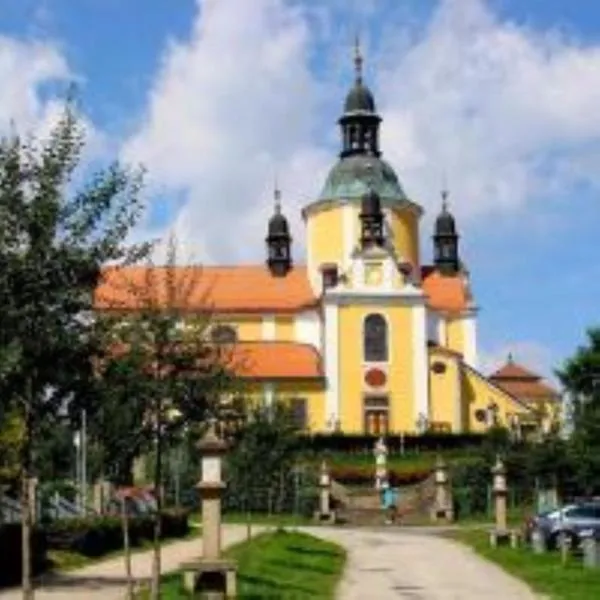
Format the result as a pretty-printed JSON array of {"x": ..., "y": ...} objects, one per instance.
[
  {"x": 445, "y": 239},
  {"x": 358, "y": 59},
  {"x": 510, "y": 358},
  {"x": 277, "y": 197},
  {"x": 279, "y": 240}
]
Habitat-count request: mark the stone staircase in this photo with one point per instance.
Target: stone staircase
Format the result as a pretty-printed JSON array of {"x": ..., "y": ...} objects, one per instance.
[{"x": 362, "y": 507}]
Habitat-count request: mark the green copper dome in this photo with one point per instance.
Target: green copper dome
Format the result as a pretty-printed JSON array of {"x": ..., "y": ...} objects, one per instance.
[{"x": 353, "y": 176}]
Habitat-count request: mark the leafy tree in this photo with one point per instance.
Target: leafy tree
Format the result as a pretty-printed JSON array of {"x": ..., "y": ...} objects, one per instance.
[
  {"x": 160, "y": 345},
  {"x": 53, "y": 242},
  {"x": 580, "y": 375}
]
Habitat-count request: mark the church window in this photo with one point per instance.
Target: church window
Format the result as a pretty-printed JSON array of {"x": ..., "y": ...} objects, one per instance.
[
  {"x": 375, "y": 342},
  {"x": 299, "y": 413},
  {"x": 223, "y": 334}
]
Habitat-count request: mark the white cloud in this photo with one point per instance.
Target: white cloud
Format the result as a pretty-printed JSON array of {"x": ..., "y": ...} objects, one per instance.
[{"x": 508, "y": 113}]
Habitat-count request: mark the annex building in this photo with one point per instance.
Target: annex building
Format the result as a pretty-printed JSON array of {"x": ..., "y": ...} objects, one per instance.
[{"x": 363, "y": 334}]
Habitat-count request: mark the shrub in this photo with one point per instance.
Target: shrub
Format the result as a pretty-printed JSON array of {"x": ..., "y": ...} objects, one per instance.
[
  {"x": 360, "y": 475},
  {"x": 363, "y": 444},
  {"x": 10, "y": 551},
  {"x": 97, "y": 536}
]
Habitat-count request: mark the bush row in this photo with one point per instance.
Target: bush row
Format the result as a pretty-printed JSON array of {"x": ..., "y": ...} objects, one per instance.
[
  {"x": 97, "y": 536},
  {"x": 363, "y": 444},
  {"x": 365, "y": 475},
  {"x": 10, "y": 551}
]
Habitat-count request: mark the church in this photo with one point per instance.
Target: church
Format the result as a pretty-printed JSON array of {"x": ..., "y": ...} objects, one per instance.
[{"x": 364, "y": 335}]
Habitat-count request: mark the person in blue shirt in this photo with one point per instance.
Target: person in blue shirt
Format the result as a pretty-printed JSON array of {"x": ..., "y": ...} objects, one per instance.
[{"x": 389, "y": 501}]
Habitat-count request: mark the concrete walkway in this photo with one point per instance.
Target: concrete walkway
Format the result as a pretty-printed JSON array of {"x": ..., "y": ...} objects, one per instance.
[
  {"x": 410, "y": 564},
  {"x": 105, "y": 580},
  {"x": 418, "y": 565}
]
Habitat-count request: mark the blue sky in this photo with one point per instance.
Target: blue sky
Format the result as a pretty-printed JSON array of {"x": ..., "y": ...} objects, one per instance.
[{"x": 215, "y": 97}]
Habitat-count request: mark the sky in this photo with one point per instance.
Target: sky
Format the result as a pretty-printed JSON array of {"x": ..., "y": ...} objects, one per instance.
[{"x": 217, "y": 98}]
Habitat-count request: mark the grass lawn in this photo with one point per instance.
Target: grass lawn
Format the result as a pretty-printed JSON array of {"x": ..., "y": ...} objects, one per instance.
[
  {"x": 282, "y": 564},
  {"x": 544, "y": 573}
]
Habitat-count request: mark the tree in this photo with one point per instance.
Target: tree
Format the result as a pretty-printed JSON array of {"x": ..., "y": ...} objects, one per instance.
[
  {"x": 265, "y": 451},
  {"x": 580, "y": 375},
  {"x": 53, "y": 242},
  {"x": 162, "y": 327}
]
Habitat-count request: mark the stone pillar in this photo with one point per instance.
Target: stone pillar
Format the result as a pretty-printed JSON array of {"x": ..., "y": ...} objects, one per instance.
[
  {"x": 500, "y": 493},
  {"x": 500, "y": 534},
  {"x": 102, "y": 495},
  {"x": 325, "y": 513},
  {"x": 443, "y": 495},
  {"x": 213, "y": 575},
  {"x": 381, "y": 475}
]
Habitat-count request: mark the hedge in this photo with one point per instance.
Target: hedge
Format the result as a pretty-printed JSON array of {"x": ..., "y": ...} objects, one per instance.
[
  {"x": 362, "y": 444},
  {"x": 11, "y": 550},
  {"x": 365, "y": 475},
  {"x": 95, "y": 537}
]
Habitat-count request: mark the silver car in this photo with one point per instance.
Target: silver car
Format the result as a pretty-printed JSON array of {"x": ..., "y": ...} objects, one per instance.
[{"x": 566, "y": 523}]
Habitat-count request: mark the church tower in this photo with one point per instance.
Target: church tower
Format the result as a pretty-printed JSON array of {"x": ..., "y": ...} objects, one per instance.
[
  {"x": 445, "y": 241},
  {"x": 279, "y": 241}
]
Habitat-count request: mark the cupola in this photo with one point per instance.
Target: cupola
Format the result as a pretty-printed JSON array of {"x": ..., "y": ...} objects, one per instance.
[
  {"x": 279, "y": 241},
  {"x": 445, "y": 241}
]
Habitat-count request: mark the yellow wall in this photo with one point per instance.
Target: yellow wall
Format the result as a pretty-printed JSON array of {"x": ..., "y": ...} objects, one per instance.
[
  {"x": 326, "y": 236},
  {"x": 284, "y": 328},
  {"x": 400, "y": 370},
  {"x": 454, "y": 335},
  {"x": 478, "y": 393},
  {"x": 444, "y": 390},
  {"x": 249, "y": 327},
  {"x": 405, "y": 230},
  {"x": 313, "y": 391}
]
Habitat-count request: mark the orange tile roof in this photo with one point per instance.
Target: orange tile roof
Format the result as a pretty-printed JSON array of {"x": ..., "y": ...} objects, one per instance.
[
  {"x": 244, "y": 289},
  {"x": 233, "y": 289},
  {"x": 447, "y": 294},
  {"x": 521, "y": 382},
  {"x": 277, "y": 360}
]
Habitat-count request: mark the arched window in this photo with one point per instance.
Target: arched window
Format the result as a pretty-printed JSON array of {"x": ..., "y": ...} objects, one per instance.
[
  {"x": 223, "y": 334},
  {"x": 375, "y": 339}
]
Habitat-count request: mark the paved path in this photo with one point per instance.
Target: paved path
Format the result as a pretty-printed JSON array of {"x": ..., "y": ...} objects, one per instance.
[
  {"x": 416, "y": 565},
  {"x": 105, "y": 580},
  {"x": 408, "y": 564}
]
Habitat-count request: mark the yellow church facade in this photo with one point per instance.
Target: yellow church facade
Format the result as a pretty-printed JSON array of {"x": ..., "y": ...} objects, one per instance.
[{"x": 363, "y": 335}]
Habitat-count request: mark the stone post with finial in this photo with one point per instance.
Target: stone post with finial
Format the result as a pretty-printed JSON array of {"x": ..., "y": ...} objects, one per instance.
[
  {"x": 501, "y": 534},
  {"x": 325, "y": 514},
  {"x": 443, "y": 507},
  {"x": 212, "y": 575}
]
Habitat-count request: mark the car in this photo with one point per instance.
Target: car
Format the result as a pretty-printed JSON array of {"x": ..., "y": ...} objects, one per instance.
[{"x": 565, "y": 523}]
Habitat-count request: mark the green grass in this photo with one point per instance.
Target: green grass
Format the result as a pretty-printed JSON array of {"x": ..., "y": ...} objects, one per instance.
[
  {"x": 515, "y": 517},
  {"x": 282, "y": 565},
  {"x": 544, "y": 573}
]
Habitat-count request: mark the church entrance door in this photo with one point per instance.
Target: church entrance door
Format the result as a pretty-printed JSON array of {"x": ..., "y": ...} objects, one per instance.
[{"x": 376, "y": 415}]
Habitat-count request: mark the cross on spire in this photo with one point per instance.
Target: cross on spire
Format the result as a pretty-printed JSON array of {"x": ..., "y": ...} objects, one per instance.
[
  {"x": 277, "y": 196},
  {"x": 358, "y": 59}
]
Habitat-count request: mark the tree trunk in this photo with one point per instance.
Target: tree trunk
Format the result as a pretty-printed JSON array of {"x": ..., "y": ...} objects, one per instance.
[
  {"x": 155, "y": 589},
  {"x": 126, "y": 548},
  {"x": 26, "y": 583}
]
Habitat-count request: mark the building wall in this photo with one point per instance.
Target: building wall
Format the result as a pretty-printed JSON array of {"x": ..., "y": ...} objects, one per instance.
[
  {"x": 454, "y": 334},
  {"x": 445, "y": 391},
  {"x": 404, "y": 225},
  {"x": 478, "y": 393},
  {"x": 312, "y": 391},
  {"x": 248, "y": 327},
  {"x": 400, "y": 372}
]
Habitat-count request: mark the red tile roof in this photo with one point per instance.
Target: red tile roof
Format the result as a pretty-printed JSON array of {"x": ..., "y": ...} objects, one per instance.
[
  {"x": 446, "y": 294},
  {"x": 522, "y": 383},
  {"x": 235, "y": 289},
  {"x": 277, "y": 360}
]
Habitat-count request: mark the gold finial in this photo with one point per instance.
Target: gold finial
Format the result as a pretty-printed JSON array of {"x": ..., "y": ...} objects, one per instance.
[{"x": 358, "y": 59}]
